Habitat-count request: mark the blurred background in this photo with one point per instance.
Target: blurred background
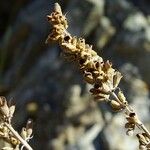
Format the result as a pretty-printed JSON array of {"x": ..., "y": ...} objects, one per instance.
[{"x": 52, "y": 91}]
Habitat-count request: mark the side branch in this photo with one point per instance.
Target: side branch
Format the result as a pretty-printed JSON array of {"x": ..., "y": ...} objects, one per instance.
[{"x": 15, "y": 133}]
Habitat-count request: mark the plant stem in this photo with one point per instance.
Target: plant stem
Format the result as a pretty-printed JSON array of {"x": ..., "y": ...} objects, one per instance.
[{"x": 18, "y": 136}]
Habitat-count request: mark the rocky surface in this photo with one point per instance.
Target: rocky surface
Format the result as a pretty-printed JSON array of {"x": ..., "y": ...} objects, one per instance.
[{"x": 52, "y": 91}]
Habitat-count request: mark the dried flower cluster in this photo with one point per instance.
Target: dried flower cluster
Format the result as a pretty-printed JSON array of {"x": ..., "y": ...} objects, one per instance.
[
  {"x": 7, "y": 132},
  {"x": 100, "y": 74}
]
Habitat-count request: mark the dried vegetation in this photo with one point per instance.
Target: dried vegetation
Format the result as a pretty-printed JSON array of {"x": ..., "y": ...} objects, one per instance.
[{"x": 97, "y": 72}]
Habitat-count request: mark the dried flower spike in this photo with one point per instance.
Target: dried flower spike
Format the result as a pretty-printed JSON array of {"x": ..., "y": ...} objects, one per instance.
[{"x": 104, "y": 78}]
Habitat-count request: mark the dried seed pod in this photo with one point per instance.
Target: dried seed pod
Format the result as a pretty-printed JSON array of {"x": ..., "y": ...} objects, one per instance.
[
  {"x": 106, "y": 87},
  {"x": 121, "y": 97},
  {"x": 101, "y": 89},
  {"x": 115, "y": 105},
  {"x": 133, "y": 118},
  {"x": 116, "y": 79}
]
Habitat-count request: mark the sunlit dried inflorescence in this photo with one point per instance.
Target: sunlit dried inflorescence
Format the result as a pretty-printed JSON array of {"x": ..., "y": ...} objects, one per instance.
[
  {"x": 104, "y": 78},
  {"x": 7, "y": 132}
]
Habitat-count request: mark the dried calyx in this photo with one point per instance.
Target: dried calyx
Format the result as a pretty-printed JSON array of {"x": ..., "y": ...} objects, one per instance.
[{"x": 104, "y": 78}]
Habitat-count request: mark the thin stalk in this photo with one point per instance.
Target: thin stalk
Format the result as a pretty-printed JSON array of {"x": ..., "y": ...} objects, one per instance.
[{"x": 18, "y": 136}]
